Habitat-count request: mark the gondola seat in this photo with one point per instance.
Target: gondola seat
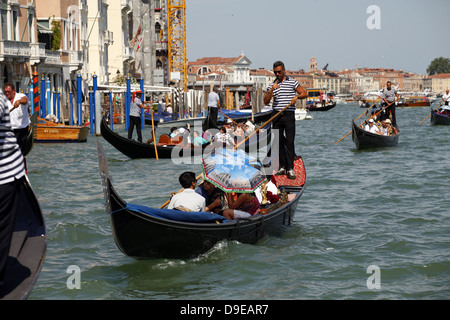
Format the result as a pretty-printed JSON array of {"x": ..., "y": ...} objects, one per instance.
[{"x": 165, "y": 140}]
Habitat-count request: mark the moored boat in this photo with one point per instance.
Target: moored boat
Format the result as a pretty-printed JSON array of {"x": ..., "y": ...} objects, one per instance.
[
  {"x": 144, "y": 232},
  {"x": 364, "y": 139},
  {"x": 50, "y": 132},
  {"x": 27, "y": 249}
]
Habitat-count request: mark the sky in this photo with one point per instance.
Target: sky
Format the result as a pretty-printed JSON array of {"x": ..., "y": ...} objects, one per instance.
[{"x": 401, "y": 34}]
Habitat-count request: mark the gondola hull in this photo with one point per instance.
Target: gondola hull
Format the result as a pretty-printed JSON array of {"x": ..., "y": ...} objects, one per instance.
[
  {"x": 142, "y": 235},
  {"x": 135, "y": 149},
  {"x": 364, "y": 139},
  {"x": 325, "y": 108},
  {"x": 437, "y": 119},
  {"x": 28, "y": 247}
]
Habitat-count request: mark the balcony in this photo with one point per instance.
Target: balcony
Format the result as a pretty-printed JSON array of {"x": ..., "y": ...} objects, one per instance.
[
  {"x": 108, "y": 37},
  {"x": 37, "y": 53},
  {"x": 14, "y": 50}
]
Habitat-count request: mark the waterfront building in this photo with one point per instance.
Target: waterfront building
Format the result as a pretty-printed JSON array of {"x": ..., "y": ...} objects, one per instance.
[{"x": 440, "y": 82}]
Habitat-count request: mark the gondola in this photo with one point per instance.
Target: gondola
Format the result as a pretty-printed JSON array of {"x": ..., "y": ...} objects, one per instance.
[
  {"x": 364, "y": 139},
  {"x": 143, "y": 232},
  {"x": 165, "y": 147},
  {"x": 437, "y": 118},
  {"x": 327, "y": 107},
  {"x": 28, "y": 248}
]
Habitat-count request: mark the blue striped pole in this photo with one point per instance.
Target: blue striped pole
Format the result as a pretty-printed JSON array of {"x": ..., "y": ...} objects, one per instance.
[
  {"x": 91, "y": 114},
  {"x": 111, "y": 110},
  {"x": 43, "y": 103},
  {"x": 143, "y": 97},
  {"x": 93, "y": 106},
  {"x": 58, "y": 106},
  {"x": 71, "y": 107},
  {"x": 127, "y": 103},
  {"x": 79, "y": 100}
]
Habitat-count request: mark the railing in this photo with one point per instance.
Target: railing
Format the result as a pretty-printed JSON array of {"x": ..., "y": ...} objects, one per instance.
[{"x": 15, "y": 48}]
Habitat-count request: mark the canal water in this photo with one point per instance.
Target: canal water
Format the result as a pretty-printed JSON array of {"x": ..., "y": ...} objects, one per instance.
[{"x": 371, "y": 224}]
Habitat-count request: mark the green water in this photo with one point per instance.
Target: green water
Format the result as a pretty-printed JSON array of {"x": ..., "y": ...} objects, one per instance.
[{"x": 383, "y": 207}]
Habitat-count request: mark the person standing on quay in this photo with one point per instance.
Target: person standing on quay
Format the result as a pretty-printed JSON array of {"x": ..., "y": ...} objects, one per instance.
[
  {"x": 12, "y": 173},
  {"x": 19, "y": 112},
  {"x": 135, "y": 116},
  {"x": 285, "y": 91}
]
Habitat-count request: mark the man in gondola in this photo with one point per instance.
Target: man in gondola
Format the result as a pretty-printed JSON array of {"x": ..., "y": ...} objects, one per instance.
[
  {"x": 12, "y": 172},
  {"x": 285, "y": 91},
  {"x": 389, "y": 96}
]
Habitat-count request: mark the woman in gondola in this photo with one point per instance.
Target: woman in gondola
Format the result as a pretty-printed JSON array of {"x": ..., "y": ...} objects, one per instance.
[{"x": 241, "y": 206}]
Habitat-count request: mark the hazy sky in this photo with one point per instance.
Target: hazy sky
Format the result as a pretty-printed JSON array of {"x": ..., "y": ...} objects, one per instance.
[{"x": 411, "y": 32}]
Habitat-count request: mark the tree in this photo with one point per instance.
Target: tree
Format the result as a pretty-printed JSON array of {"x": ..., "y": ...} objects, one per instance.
[
  {"x": 56, "y": 29},
  {"x": 439, "y": 65}
]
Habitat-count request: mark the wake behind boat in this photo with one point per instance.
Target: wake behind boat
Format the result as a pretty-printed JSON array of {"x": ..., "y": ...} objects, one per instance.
[{"x": 145, "y": 232}]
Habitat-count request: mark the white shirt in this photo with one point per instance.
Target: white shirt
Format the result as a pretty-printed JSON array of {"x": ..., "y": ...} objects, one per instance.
[
  {"x": 135, "y": 110},
  {"x": 19, "y": 117},
  {"x": 446, "y": 97},
  {"x": 189, "y": 199},
  {"x": 221, "y": 139},
  {"x": 213, "y": 98},
  {"x": 384, "y": 131},
  {"x": 371, "y": 129}
]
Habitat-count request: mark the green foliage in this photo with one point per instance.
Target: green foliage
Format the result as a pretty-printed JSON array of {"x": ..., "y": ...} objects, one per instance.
[
  {"x": 56, "y": 39},
  {"x": 121, "y": 80},
  {"x": 439, "y": 65}
]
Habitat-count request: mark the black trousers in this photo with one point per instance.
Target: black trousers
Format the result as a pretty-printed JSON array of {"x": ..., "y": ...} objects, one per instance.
[
  {"x": 285, "y": 123},
  {"x": 135, "y": 121},
  {"x": 388, "y": 111},
  {"x": 9, "y": 204},
  {"x": 21, "y": 136},
  {"x": 213, "y": 113}
]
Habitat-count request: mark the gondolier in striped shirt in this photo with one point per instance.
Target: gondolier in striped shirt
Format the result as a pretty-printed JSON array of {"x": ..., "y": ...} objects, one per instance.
[
  {"x": 285, "y": 91},
  {"x": 12, "y": 171}
]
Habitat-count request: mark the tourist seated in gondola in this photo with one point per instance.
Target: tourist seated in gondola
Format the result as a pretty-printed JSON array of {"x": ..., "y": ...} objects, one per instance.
[
  {"x": 188, "y": 199},
  {"x": 385, "y": 129},
  {"x": 198, "y": 140},
  {"x": 214, "y": 197},
  {"x": 249, "y": 127},
  {"x": 371, "y": 127},
  {"x": 241, "y": 205},
  {"x": 223, "y": 139}
]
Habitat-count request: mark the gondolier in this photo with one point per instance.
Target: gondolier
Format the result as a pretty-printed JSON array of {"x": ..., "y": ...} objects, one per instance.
[
  {"x": 285, "y": 90},
  {"x": 389, "y": 96},
  {"x": 135, "y": 116},
  {"x": 12, "y": 173},
  {"x": 213, "y": 105},
  {"x": 19, "y": 111}
]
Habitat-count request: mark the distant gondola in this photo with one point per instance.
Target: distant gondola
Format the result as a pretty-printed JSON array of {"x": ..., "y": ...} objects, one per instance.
[
  {"x": 144, "y": 232},
  {"x": 327, "y": 107},
  {"x": 167, "y": 149},
  {"x": 364, "y": 139},
  {"x": 28, "y": 247},
  {"x": 437, "y": 118}
]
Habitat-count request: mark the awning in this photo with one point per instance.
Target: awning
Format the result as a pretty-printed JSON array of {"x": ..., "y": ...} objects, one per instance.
[{"x": 43, "y": 29}]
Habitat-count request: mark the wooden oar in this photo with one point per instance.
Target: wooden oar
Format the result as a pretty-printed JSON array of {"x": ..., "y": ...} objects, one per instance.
[
  {"x": 430, "y": 113},
  {"x": 262, "y": 126},
  {"x": 230, "y": 119},
  {"x": 153, "y": 133},
  {"x": 365, "y": 111}
]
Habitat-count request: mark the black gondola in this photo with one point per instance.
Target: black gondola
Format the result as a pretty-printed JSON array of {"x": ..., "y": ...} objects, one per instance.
[
  {"x": 28, "y": 247},
  {"x": 364, "y": 139},
  {"x": 327, "y": 107},
  {"x": 437, "y": 118},
  {"x": 143, "y": 232},
  {"x": 26, "y": 148},
  {"x": 135, "y": 149}
]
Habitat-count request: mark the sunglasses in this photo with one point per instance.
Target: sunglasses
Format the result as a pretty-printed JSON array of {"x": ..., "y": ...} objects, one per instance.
[{"x": 278, "y": 72}]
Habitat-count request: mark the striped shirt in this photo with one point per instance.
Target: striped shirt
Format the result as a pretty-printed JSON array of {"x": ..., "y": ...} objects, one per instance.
[
  {"x": 11, "y": 159},
  {"x": 135, "y": 110},
  {"x": 284, "y": 94}
]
